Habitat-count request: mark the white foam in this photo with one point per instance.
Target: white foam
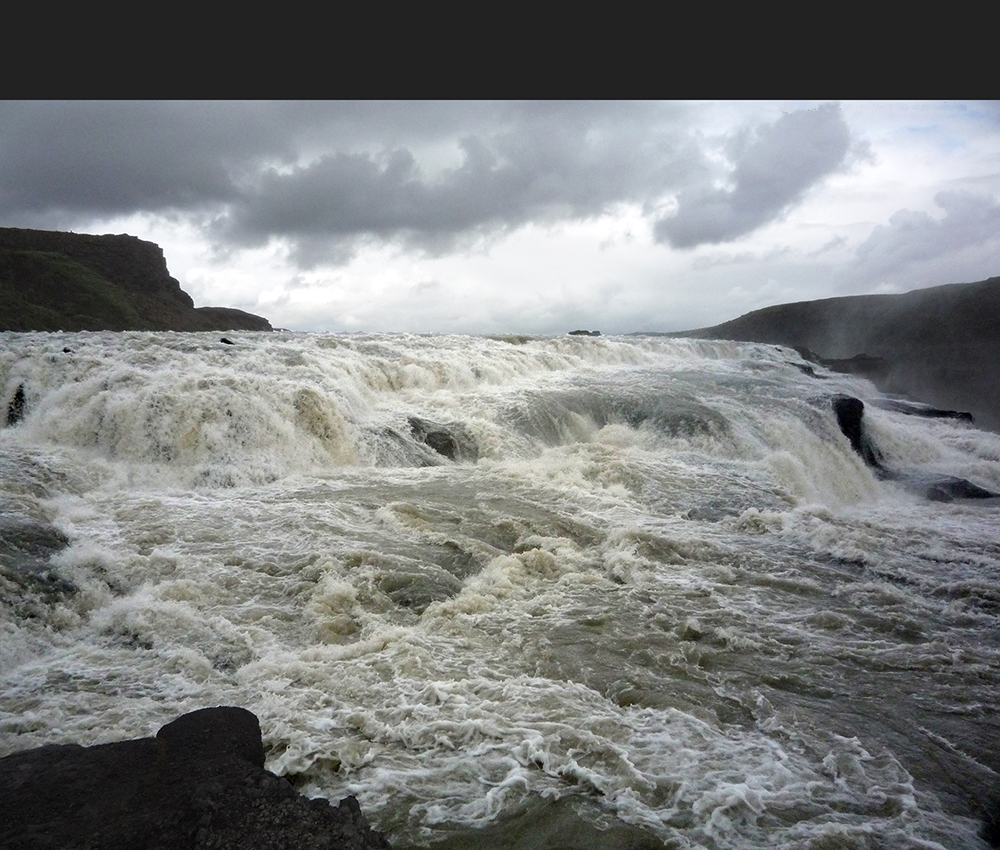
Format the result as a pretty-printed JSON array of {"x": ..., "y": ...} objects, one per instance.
[{"x": 650, "y": 597}]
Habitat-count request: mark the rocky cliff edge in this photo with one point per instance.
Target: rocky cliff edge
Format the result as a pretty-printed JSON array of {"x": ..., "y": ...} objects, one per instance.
[{"x": 52, "y": 281}]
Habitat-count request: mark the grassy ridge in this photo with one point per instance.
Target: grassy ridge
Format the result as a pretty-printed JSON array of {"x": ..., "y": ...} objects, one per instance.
[
  {"x": 44, "y": 291},
  {"x": 51, "y": 280}
]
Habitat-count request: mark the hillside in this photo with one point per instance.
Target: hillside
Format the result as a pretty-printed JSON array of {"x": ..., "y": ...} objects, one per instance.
[
  {"x": 50, "y": 281},
  {"x": 939, "y": 345}
]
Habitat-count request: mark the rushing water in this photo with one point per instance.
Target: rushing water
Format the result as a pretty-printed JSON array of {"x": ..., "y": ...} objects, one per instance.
[{"x": 511, "y": 592}]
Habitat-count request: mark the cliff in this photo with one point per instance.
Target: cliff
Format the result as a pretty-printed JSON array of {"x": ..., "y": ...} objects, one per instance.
[
  {"x": 50, "y": 280},
  {"x": 939, "y": 345}
]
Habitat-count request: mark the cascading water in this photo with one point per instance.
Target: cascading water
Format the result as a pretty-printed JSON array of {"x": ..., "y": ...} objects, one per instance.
[{"x": 511, "y": 592}]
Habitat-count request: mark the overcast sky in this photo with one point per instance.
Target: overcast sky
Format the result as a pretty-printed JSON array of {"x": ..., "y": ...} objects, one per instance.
[{"x": 539, "y": 217}]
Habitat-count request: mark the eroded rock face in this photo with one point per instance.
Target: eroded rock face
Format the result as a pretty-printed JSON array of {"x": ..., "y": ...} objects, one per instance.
[{"x": 199, "y": 783}]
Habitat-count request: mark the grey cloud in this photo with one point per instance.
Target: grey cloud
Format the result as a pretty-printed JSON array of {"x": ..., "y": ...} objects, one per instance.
[
  {"x": 90, "y": 159},
  {"x": 330, "y": 178},
  {"x": 913, "y": 239},
  {"x": 774, "y": 166},
  {"x": 528, "y": 165}
]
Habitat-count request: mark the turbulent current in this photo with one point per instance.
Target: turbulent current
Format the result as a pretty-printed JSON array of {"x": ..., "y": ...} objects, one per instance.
[{"x": 519, "y": 592}]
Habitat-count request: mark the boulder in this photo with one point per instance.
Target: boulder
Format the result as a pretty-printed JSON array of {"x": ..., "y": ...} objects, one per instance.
[
  {"x": 199, "y": 783},
  {"x": 26, "y": 544},
  {"x": 849, "y": 412},
  {"x": 451, "y": 440}
]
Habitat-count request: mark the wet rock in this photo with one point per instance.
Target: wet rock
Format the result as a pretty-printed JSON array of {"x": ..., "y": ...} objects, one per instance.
[
  {"x": 26, "y": 545},
  {"x": 849, "y": 412},
  {"x": 199, "y": 783},
  {"x": 418, "y": 587},
  {"x": 944, "y": 488},
  {"x": 452, "y": 441},
  {"x": 15, "y": 410},
  {"x": 914, "y": 408},
  {"x": 990, "y": 830},
  {"x": 937, "y": 488}
]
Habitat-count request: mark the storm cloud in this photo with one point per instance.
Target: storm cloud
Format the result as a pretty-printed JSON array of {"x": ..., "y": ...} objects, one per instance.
[
  {"x": 432, "y": 178},
  {"x": 525, "y": 215}
]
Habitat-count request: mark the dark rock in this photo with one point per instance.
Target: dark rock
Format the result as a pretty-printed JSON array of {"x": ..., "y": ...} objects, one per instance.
[
  {"x": 215, "y": 731},
  {"x": 227, "y": 341},
  {"x": 944, "y": 488},
  {"x": 452, "y": 441},
  {"x": 937, "y": 488},
  {"x": 15, "y": 410},
  {"x": 199, "y": 783},
  {"x": 584, "y": 333},
  {"x": 990, "y": 830},
  {"x": 26, "y": 545},
  {"x": 849, "y": 412},
  {"x": 913, "y": 408}
]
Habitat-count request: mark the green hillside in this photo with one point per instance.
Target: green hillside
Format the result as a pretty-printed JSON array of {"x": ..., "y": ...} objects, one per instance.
[{"x": 51, "y": 281}]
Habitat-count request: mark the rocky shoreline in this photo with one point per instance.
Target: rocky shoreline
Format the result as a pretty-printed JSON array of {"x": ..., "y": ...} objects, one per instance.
[{"x": 199, "y": 783}]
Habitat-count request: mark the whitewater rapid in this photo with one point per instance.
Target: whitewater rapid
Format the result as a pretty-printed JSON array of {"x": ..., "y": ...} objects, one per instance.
[{"x": 642, "y": 593}]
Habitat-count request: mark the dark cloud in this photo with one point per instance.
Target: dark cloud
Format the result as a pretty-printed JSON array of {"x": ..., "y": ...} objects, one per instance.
[
  {"x": 103, "y": 159},
  {"x": 327, "y": 179},
  {"x": 773, "y": 167},
  {"x": 539, "y": 163}
]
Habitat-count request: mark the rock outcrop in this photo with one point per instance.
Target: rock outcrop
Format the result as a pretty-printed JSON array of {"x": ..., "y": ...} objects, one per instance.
[
  {"x": 451, "y": 440},
  {"x": 50, "y": 281},
  {"x": 940, "y": 345},
  {"x": 199, "y": 783},
  {"x": 850, "y": 413}
]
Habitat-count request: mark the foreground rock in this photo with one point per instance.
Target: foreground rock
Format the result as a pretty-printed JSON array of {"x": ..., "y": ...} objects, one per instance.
[
  {"x": 199, "y": 783},
  {"x": 55, "y": 281}
]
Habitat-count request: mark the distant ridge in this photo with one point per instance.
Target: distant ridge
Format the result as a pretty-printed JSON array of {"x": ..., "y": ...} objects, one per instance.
[
  {"x": 939, "y": 345},
  {"x": 52, "y": 281}
]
